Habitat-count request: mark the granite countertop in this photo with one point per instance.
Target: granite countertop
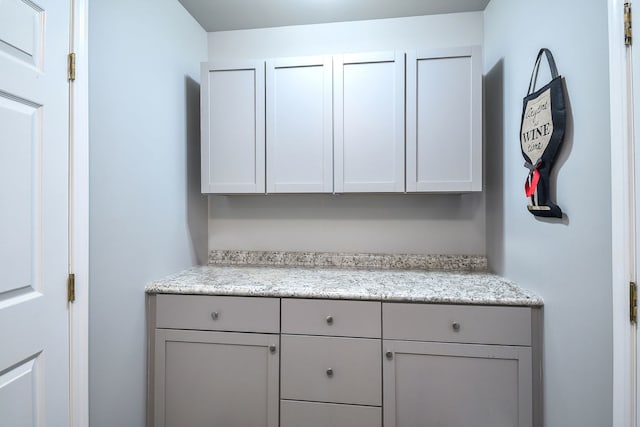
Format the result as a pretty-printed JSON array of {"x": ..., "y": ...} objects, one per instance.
[{"x": 363, "y": 283}]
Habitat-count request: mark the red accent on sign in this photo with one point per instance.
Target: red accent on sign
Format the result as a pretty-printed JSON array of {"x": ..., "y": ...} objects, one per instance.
[{"x": 529, "y": 189}]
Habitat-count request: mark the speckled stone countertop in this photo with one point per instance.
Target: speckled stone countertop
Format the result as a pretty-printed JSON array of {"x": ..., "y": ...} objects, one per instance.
[
  {"x": 408, "y": 285},
  {"x": 349, "y": 260}
]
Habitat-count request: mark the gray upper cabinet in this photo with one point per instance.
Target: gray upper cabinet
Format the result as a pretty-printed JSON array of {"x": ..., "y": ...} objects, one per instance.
[
  {"x": 369, "y": 122},
  {"x": 382, "y": 122},
  {"x": 299, "y": 125},
  {"x": 233, "y": 127},
  {"x": 444, "y": 120}
]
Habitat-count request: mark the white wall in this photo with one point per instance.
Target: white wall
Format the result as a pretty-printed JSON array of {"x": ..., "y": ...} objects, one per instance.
[
  {"x": 147, "y": 216},
  {"x": 568, "y": 261},
  {"x": 446, "y": 224}
]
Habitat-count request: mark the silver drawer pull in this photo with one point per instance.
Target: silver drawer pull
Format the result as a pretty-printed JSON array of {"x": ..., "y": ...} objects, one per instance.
[
  {"x": 272, "y": 348},
  {"x": 329, "y": 372},
  {"x": 214, "y": 315},
  {"x": 389, "y": 355},
  {"x": 455, "y": 326},
  {"x": 330, "y": 320}
]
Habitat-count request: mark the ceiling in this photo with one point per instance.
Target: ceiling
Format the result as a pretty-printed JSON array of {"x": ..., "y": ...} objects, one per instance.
[{"x": 223, "y": 15}]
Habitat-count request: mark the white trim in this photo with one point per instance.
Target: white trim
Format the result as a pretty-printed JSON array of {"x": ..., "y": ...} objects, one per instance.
[
  {"x": 79, "y": 218},
  {"x": 622, "y": 221}
]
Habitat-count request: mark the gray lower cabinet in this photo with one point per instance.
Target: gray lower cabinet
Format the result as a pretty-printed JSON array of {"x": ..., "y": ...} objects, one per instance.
[
  {"x": 216, "y": 379},
  {"x": 331, "y": 365},
  {"x": 456, "y": 385},
  {"x": 204, "y": 378},
  {"x": 460, "y": 366},
  {"x": 269, "y": 362}
]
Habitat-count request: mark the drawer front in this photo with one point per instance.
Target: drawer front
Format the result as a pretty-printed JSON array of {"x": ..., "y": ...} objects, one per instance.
[
  {"x": 457, "y": 323},
  {"x": 218, "y": 313},
  {"x": 331, "y": 318},
  {"x": 335, "y": 370},
  {"x": 315, "y": 414}
]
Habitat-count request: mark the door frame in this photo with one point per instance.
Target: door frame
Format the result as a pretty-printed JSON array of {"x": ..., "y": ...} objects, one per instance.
[
  {"x": 79, "y": 217},
  {"x": 622, "y": 224},
  {"x": 624, "y": 394}
]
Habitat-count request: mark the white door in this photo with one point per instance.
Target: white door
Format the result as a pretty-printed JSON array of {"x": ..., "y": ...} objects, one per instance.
[{"x": 34, "y": 122}]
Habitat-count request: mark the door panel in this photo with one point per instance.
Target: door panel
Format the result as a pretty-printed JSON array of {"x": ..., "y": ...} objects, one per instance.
[
  {"x": 18, "y": 388},
  {"x": 34, "y": 118},
  {"x": 456, "y": 385},
  {"x": 21, "y": 30},
  {"x": 20, "y": 174},
  {"x": 215, "y": 379}
]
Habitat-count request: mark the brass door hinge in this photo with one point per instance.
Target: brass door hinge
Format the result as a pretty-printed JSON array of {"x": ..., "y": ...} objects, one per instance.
[
  {"x": 628, "y": 32},
  {"x": 71, "y": 69},
  {"x": 71, "y": 288},
  {"x": 633, "y": 302}
]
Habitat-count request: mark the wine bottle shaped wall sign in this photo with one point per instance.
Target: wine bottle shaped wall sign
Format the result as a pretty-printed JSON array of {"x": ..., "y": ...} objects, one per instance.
[{"x": 544, "y": 118}]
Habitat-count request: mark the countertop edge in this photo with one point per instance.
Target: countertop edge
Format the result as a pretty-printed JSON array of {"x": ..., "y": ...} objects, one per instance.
[
  {"x": 441, "y": 289},
  {"x": 534, "y": 302}
]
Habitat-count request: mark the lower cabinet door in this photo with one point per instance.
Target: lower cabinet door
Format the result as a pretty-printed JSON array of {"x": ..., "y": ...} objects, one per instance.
[
  {"x": 315, "y": 414},
  {"x": 456, "y": 385},
  {"x": 206, "y": 379}
]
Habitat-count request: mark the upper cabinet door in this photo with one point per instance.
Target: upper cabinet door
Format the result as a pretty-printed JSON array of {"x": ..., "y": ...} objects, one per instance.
[
  {"x": 444, "y": 120},
  {"x": 233, "y": 133},
  {"x": 369, "y": 122},
  {"x": 299, "y": 125}
]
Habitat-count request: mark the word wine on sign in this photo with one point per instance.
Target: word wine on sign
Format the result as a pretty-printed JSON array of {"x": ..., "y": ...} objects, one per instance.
[{"x": 537, "y": 126}]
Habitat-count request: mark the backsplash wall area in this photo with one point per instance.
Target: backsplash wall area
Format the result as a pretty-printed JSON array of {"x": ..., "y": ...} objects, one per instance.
[{"x": 423, "y": 224}]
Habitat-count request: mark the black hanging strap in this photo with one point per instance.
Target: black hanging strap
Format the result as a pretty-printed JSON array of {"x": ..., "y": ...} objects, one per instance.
[{"x": 536, "y": 67}]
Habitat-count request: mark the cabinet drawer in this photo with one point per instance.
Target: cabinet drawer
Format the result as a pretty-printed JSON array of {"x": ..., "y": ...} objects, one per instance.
[
  {"x": 335, "y": 370},
  {"x": 331, "y": 317},
  {"x": 457, "y": 323},
  {"x": 218, "y": 313},
  {"x": 314, "y": 414}
]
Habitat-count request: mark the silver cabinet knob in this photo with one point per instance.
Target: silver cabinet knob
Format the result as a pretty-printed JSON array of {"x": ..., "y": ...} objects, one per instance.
[
  {"x": 215, "y": 315},
  {"x": 330, "y": 320},
  {"x": 389, "y": 355},
  {"x": 272, "y": 348},
  {"x": 455, "y": 326},
  {"x": 329, "y": 372}
]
